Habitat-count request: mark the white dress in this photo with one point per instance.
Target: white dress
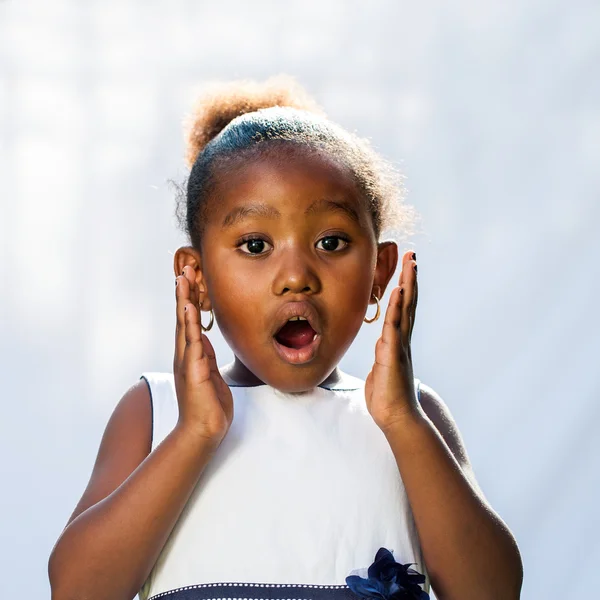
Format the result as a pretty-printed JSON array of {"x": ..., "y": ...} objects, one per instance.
[{"x": 302, "y": 492}]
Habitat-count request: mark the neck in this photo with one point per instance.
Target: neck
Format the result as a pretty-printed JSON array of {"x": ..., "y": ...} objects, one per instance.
[{"x": 236, "y": 373}]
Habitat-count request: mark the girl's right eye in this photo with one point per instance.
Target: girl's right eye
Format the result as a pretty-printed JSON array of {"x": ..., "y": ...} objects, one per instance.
[{"x": 255, "y": 245}]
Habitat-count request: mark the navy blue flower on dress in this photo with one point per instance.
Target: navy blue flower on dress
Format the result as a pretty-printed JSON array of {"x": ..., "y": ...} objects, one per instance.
[{"x": 388, "y": 580}]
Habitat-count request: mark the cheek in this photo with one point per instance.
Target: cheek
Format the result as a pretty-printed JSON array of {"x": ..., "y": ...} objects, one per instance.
[
  {"x": 353, "y": 279},
  {"x": 226, "y": 277},
  {"x": 350, "y": 302},
  {"x": 237, "y": 299},
  {"x": 348, "y": 294},
  {"x": 236, "y": 287}
]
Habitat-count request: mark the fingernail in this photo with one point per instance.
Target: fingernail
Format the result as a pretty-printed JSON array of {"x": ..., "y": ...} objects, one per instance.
[
  {"x": 414, "y": 256},
  {"x": 401, "y": 291},
  {"x": 415, "y": 268},
  {"x": 176, "y": 282}
]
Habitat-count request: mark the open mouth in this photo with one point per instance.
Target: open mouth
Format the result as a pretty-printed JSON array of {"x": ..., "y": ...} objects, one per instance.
[
  {"x": 296, "y": 333},
  {"x": 297, "y": 342}
]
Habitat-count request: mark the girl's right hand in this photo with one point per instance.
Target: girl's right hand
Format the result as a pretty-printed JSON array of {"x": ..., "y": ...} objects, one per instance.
[{"x": 205, "y": 401}]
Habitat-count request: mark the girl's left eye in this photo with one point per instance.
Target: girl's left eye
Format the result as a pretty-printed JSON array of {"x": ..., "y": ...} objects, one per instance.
[{"x": 331, "y": 243}]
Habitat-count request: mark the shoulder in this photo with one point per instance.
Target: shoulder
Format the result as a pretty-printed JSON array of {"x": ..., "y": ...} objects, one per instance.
[
  {"x": 131, "y": 419},
  {"x": 125, "y": 443},
  {"x": 439, "y": 414}
]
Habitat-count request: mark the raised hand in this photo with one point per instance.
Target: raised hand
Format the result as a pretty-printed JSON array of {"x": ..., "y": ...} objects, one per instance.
[
  {"x": 205, "y": 401},
  {"x": 389, "y": 387}
]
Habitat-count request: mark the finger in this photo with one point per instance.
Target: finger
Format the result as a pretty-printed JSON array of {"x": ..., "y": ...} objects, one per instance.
[
  {"x": 182, "y": 298},
  {"x": 393, "y": 317},
  {"x": 189, "y": 277},
  {"x": 410, "y": 279},
  {"x": 416, "y": 296},
  {"x": 406, "y": 257},
  {"x": 194, "y": 349},
  {"x": 414, "y": 308}
]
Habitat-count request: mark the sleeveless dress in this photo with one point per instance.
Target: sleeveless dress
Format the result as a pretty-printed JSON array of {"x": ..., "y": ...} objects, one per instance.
[{"x": 302, "y": 492}]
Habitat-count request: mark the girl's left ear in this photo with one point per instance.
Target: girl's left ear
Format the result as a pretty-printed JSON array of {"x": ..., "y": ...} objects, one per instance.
[{"x": 387, "y": 260}]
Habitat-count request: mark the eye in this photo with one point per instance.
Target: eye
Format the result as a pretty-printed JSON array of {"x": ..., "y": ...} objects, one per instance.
[
  {"x": 331, "y": 243},
  {"x": 255, "y": 245}
]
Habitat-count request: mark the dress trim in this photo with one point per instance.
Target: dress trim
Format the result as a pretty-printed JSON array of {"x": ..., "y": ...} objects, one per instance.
[{"x": 258, "y": 591}]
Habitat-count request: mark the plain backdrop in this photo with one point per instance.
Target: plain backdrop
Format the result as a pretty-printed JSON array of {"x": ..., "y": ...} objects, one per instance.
[{"x": 490, "y": 109}]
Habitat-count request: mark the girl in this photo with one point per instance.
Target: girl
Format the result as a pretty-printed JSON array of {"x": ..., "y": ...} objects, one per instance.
[{"x": 278, "y": 475}]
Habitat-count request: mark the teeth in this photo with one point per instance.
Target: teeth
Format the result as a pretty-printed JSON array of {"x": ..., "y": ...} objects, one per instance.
[{"x": 297, "y": 319}]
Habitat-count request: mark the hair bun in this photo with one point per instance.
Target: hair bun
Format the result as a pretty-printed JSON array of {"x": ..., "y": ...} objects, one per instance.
[{"x": 223, "y": 102}]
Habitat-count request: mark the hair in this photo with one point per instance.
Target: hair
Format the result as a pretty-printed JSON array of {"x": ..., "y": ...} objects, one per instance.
[{"x": 243, "y": 120}]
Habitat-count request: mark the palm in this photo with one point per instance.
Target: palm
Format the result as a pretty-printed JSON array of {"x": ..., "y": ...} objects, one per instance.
[
  {"x": 389, "y": 386},
  {"x": 205, "y": 400},
  {"x": 213, "y": 388}
]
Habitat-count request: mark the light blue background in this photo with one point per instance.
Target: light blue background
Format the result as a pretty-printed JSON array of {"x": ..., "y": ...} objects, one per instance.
[{"x": 492, "y": 111}]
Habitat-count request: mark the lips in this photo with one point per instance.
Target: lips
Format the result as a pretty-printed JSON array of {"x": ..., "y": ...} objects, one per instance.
[{"x": 297, "y": 309}]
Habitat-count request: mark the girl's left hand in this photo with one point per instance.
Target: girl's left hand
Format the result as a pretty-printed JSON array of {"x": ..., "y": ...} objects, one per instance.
[{"x": 389, "y": 387}]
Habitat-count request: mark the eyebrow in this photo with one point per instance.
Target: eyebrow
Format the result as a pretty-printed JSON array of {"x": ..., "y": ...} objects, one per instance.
[
  {"x": 326, "y": 204},
  {"x": 239, "y": 213},
  {"x": 260, "y": 209}
]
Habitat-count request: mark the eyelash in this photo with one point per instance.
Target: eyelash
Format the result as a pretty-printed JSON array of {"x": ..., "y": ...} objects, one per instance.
[{"x": 245, "y": 240}]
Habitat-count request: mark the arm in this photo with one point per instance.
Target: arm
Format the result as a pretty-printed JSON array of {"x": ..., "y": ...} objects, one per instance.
[
  {"x": 135, "y": 496},
  {"x": 129, "y": 507},
  {"x": 468, "y": 550}
]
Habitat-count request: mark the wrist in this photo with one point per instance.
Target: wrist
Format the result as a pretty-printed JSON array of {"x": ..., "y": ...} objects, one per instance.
[
  {"x": 199, "y": 436},
  {"x": 405, "y": 423}
]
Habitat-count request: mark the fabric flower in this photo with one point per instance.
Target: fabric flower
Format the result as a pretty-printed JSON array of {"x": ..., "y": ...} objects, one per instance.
[{"x": 388, "y": 580}]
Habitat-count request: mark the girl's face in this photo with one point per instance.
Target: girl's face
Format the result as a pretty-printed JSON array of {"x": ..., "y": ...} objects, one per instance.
[{"x": 290, "y": 234}]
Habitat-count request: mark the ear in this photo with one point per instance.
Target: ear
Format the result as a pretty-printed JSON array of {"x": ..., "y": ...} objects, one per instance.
[
  {"x": 189, "y": 256},
  {"x": 387, "y": 260}
]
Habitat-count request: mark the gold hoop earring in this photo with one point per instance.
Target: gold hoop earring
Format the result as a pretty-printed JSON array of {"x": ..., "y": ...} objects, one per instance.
[
  {"x": 212, "y": 318},
  {"x": 376, "y": 314}
]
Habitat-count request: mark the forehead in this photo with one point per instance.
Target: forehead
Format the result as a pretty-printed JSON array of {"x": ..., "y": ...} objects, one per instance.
[{"x": 292, "y": 183}]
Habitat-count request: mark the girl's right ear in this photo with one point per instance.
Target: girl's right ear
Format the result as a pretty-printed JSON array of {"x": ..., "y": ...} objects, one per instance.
[{"x": 190, "y": 257}]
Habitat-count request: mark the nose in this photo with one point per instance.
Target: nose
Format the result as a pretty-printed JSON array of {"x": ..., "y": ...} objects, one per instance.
[{"x": 295, "y": 273}]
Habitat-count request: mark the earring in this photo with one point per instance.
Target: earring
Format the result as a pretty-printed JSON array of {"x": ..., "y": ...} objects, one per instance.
[
  {"x": 212, "y": 318},
  {"x": 376, "y": 314}
]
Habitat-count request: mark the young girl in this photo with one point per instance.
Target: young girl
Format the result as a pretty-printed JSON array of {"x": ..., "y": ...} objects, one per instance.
[{"x": 279, "y": 476}]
